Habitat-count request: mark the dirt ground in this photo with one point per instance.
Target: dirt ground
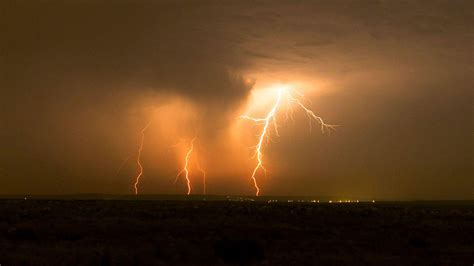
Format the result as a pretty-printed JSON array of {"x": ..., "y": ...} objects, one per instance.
[{"x": 157, "y": 232}]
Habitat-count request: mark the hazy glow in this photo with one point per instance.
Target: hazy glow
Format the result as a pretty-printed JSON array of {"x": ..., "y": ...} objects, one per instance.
[
  {"x": 176, "y": 118},
  {"x": 282, "y": 93},
  {"x": 169, "y": 120}
]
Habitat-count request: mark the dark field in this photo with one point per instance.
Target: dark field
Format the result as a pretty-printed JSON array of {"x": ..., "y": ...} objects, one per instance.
[{"x": 158, "y": 232}]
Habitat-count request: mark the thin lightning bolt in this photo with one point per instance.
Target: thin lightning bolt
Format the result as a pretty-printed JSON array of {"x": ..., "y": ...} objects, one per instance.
[
  {"x": 124, "y": 162},
  {"x": 270, "y": 119},
  {"x": 203, "y": 176},
  {"x": 139, "y": 164},
  {"x": 185, "y": 169},
  {"x": 190, "y": 154},
  {"x": 311, "y": 116}
]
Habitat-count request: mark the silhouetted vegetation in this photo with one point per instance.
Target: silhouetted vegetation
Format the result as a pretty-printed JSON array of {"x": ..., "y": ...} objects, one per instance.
[
  {"x": 241, "y": 251},
  {"x": 127, "y": 232}
]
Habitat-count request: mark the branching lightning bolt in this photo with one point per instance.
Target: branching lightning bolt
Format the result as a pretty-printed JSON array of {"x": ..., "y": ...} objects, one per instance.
[
  {"x": 263, "y": 134},
  {"x": 139, "y": 154},
  {"x": 270, "y": 119}
]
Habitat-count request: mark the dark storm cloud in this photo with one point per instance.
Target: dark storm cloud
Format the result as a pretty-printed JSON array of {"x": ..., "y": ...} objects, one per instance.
[
  {"x": 399, "y": 75},
  {"x": 165, "y": 46}
]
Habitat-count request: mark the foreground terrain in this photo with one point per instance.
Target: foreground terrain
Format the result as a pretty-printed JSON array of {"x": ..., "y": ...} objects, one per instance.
[{"x": 150, "y": 232}]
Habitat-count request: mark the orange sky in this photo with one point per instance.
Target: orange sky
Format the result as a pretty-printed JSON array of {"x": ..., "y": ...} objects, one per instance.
[{"x": 394, "y": 75}]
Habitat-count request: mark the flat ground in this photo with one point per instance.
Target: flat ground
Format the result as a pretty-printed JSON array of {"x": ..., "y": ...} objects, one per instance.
[{"x": 152, "y": 232}]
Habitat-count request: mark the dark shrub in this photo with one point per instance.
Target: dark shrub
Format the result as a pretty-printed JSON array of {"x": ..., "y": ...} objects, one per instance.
[
  {"x": 418, "y": 242},
  {"x": 242, "y": 251},
  {"x": 22, "y": 232}
]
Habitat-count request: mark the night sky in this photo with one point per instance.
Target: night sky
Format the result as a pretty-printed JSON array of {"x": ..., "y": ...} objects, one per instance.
[{"x": 80, "y": 79}]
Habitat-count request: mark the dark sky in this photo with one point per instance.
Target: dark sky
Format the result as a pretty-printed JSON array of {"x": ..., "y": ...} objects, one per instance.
[{"x": 79, "y": 79}]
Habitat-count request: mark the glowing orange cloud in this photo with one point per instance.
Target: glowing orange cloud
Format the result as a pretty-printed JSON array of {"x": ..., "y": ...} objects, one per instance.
[
  {"x": 172, "y": 115},
  {"x": 271, "y": 120},
  {"x": 176, "y": 113}
]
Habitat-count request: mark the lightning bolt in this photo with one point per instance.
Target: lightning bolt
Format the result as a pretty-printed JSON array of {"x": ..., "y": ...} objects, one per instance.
[
  {"x": 312, "y": 116},
  {"x": 124, "y": 162},
  {"x": 203, "y": 176},
  {"x": 271, "y": 120},
  {"x": 263, "y": 134},
  {"x": 139, "y": 154},
  {"x": 186, "y": 169}
]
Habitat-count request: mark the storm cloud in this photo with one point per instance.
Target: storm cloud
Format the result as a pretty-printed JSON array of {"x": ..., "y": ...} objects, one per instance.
[{"x": 77, "y": 78}]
